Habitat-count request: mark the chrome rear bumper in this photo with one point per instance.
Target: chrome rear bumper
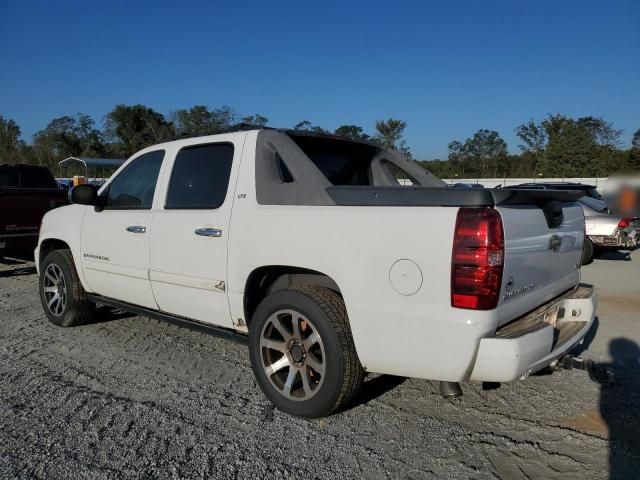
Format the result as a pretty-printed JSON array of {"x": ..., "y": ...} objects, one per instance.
[{"x": 534, "y": 341}]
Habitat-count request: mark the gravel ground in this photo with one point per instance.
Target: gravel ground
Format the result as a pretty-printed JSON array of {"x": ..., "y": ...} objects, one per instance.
[{"x": 132, "y": 397}]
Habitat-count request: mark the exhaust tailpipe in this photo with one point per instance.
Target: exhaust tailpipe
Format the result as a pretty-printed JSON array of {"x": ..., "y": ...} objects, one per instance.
[{"x": 450, "y": 390}]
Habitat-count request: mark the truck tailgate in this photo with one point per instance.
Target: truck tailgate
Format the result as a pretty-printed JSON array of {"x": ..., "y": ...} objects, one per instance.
[{"x": 543, "y": 252}]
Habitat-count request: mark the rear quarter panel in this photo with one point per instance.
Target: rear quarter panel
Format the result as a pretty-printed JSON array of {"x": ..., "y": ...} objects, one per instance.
[{"x": 418, "y": 335}]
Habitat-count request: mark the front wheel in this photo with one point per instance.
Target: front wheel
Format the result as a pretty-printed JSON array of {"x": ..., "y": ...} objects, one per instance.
[
  {"x": 63, "y": 299},
  {"x": 302, "y": 352}
]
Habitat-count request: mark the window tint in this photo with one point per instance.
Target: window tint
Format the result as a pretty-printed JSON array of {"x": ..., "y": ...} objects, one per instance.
[
  {"x": 9, "y": 177},
  {"x": 341, "y": 161},
  {"x": 133, "y": 188},
  {"x": 36, "y": 177},
  {"x": 283, "y": 171},
  {"x": 200, "y": 176}
]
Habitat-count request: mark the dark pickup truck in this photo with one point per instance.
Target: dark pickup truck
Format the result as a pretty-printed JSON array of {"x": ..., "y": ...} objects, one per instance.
[{"x": 27, "y": 192}]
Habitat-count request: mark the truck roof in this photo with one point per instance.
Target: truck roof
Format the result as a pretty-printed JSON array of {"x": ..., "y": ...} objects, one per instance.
[{"x": 246, "y": 127}]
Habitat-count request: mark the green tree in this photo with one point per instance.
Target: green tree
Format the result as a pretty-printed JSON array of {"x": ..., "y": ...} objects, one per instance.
[
  {"x": 635, "y": 140},
  {"x": 602, "y": 131},
  {"x": 634, "y": 151},
  {"x": 390, "y": 133},
  {"x": 133, "y": 127},
  {"x": 487, "y": 149},
  {"x": 257, "y": 120},
  {"x": 10, "y": 143},
  {"x": 307, "y": 126},
  {"x": 534, "y": 142},
  {"x": 68, "y": 136},
  {"x": 351, "y": 131},
  {"x": 571, "y": 149},
  {"x": 199, "y": 120},
  {"x": 457, "y": 157}
]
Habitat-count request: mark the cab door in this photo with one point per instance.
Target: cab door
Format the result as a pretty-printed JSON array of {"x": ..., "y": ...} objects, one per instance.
[
  {"x": 115, "y": 238},
  {"x": 188, "y": 268}
]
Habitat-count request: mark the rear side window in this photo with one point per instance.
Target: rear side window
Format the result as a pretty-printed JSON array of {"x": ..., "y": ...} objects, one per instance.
[
  {"x": 36, "y": 177},
  {"x": 134, "y": 187},
  {"x": 200, "y": 177},
  {"x": 9, "y": 177}
]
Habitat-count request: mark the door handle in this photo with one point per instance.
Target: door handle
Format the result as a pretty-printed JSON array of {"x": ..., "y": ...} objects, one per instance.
[
  {"x": 136, "y": 229},
  {"x": 208, "y": 232}
]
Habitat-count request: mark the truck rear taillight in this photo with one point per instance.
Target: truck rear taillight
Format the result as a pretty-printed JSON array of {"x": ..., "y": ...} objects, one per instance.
[
  {"x": 624, "y": 223},
  {"x": 478, "y": 259}
]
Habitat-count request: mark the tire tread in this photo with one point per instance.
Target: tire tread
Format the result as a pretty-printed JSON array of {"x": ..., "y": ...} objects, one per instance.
[
  {"x": 333, "y": 305},
  {"x": 83, "y": 307}
]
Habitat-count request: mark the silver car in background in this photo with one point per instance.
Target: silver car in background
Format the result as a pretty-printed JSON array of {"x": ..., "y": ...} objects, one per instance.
[{"x": 606, "y": 230}]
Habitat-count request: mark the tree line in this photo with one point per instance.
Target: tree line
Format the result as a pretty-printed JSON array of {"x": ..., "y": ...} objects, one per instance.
[{"x": 555, "y": 146}]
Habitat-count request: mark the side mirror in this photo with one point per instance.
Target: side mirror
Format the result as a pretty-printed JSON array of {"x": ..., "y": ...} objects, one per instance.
[{"x": 84, "y": 194}]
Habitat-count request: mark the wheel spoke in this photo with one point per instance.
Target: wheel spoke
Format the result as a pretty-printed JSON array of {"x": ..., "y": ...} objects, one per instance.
[
  {"x": 277, "y": 366},
  {"x": 50, "y": 289},
  {"x": 315, "y": 364},
  {"x": 50, "y": 276},
  {"x": 274, "y": 345},
  {"x": 53, "y": 300},
  {"x": 305, "y": 382},
  {"x": 275, "y": 321},
  {"x": 293, "y": 373},
  {"x": 295, "y": 325},
  {"x": 311, "y": 340}
]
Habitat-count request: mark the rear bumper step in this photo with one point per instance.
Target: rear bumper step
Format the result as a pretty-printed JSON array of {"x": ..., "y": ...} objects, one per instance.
[{"x": 534, "y": 341}]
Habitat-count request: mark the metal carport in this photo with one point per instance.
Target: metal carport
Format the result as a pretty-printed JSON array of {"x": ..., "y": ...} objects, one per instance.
[{"x": 103, "y": 163}]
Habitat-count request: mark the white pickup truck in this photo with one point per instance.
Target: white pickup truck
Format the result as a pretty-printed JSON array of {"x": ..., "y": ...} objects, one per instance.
[{"x": 307, "y": 247}]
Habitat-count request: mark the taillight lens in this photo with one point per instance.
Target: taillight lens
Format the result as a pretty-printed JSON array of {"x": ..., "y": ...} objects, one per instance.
[
  {"x": 478, "y": 259},
  {"x": 624, "y": 223}
]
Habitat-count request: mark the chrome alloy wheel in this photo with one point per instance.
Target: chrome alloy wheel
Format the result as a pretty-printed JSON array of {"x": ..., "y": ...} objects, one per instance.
[
  {"x": 293, "y": 355},
  {"x": 55, "y": 289}
]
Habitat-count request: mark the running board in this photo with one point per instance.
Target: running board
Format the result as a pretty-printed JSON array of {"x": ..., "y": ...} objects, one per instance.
[{"x": 189, "y": 323}]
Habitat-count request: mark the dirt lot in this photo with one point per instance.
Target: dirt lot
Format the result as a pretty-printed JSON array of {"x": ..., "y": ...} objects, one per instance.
[{"x": 132, "y": 397}]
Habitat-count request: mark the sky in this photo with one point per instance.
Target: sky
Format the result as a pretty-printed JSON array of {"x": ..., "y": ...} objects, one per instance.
[{"x": 446, "y": 68}]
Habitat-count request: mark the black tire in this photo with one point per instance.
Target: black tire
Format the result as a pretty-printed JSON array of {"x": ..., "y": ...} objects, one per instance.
[
  {"x": 587, "y": 252},
  {"x": 342, "y": 375},
  {"x": 76, "y": 308}
]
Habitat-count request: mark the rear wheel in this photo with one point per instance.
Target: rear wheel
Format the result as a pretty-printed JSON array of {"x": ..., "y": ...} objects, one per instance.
[
  {"x": 63, "y": 299},
  {"x": 587, "y": 251},
  {"x": 302, "y": 352}
]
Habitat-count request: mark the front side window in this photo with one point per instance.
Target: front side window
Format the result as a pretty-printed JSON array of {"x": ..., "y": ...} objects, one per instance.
[
  {"x": 134, "y": 187},
  {"x": 200, "y": 177}
]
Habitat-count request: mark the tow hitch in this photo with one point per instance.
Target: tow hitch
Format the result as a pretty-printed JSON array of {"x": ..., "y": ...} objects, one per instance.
[{"x": 597, "y": 372}]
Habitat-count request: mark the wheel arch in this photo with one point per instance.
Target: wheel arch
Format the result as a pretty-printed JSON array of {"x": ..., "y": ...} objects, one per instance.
[
  {"x": 48, "y": 245},
  {"x": 269, "y": 278}
]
